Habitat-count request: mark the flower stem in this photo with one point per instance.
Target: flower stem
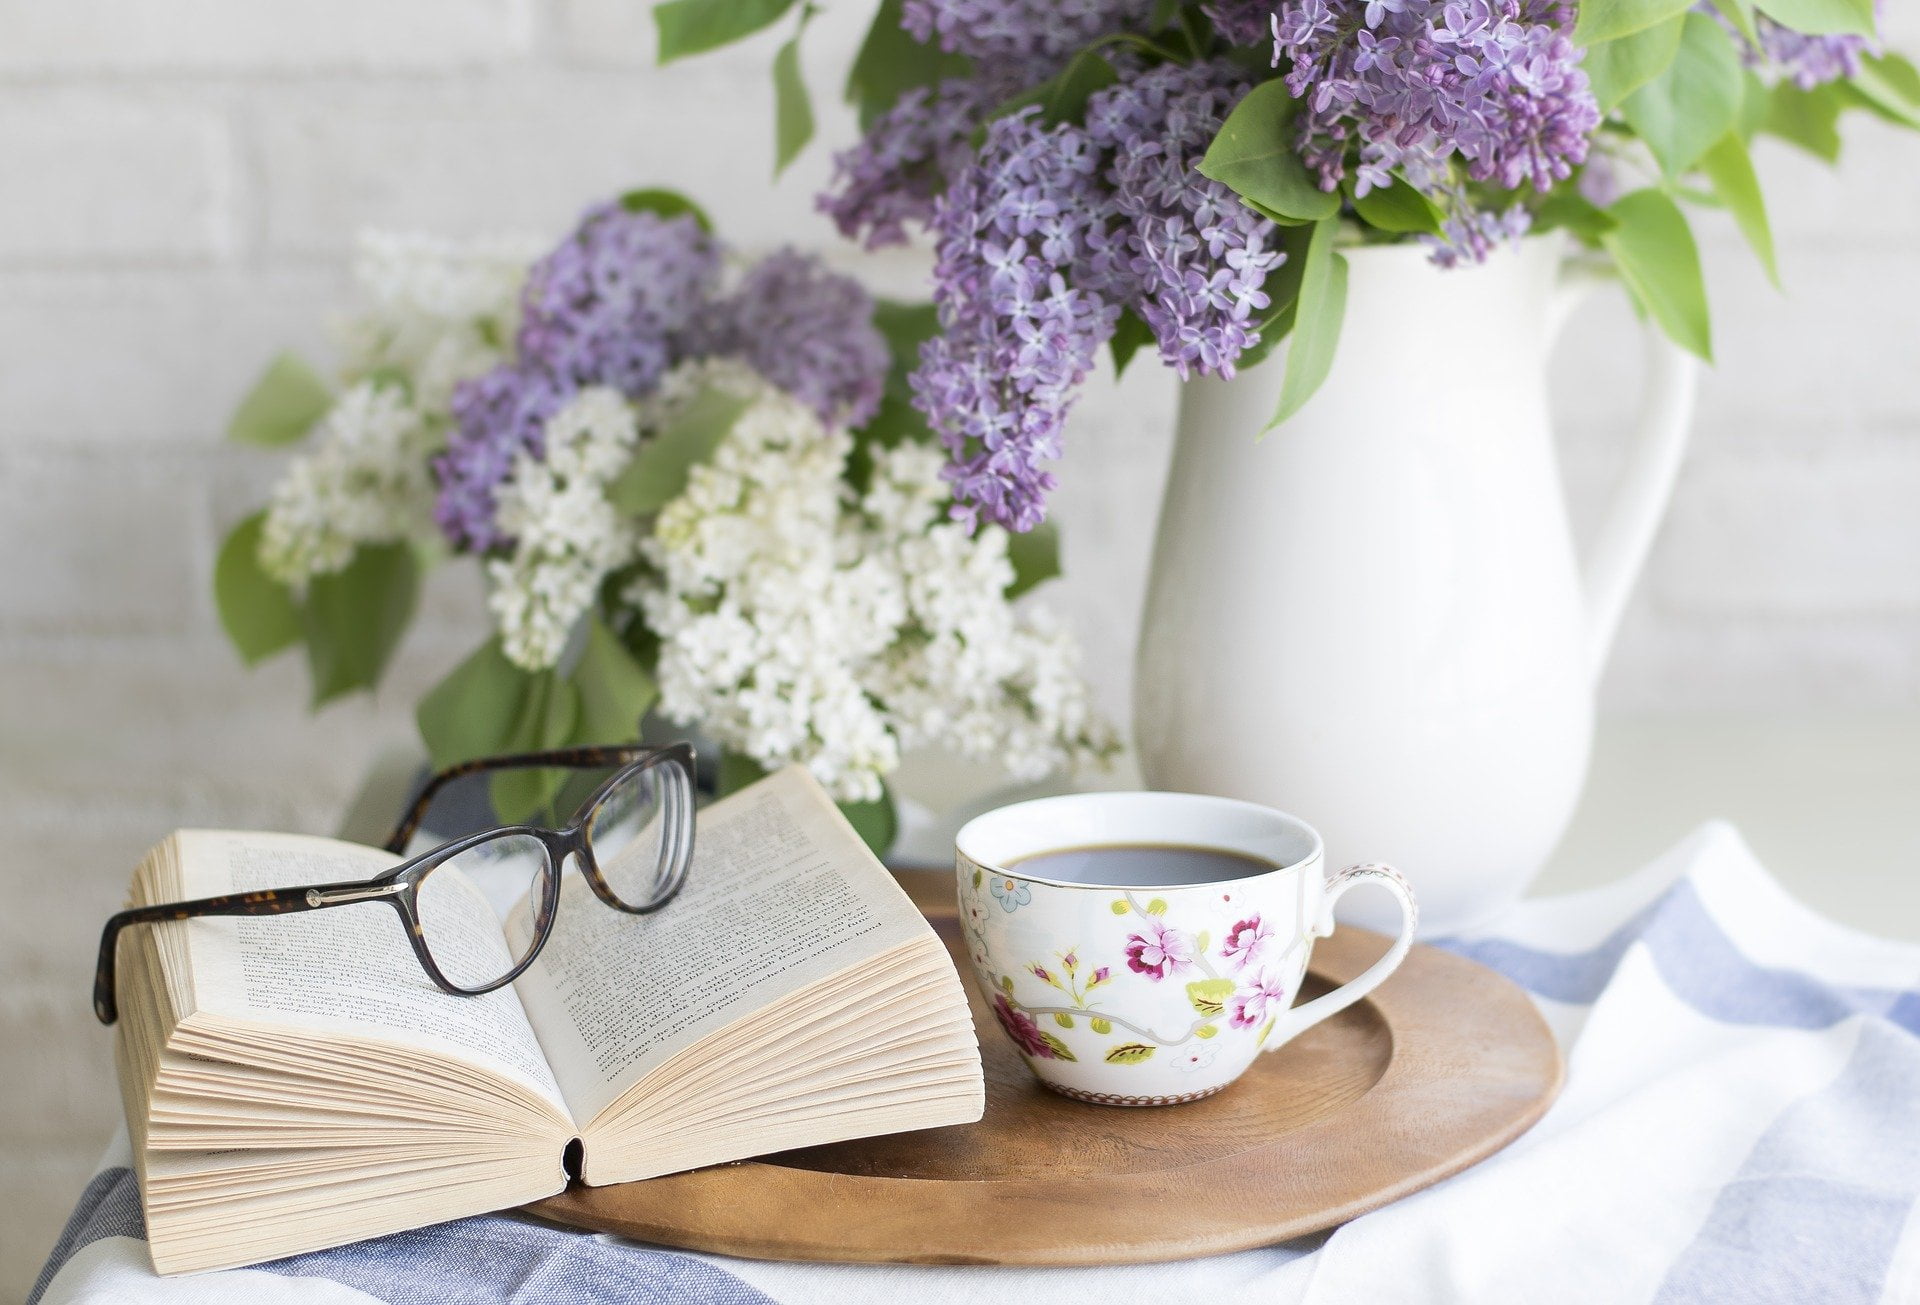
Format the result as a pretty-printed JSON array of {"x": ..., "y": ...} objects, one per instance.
[{"x": 1129, "y": 1025}]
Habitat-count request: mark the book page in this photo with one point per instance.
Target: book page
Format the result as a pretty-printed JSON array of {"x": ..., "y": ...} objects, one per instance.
[
  {"x": 781, "y": 893},
  {"x": 347, "y": 970}
]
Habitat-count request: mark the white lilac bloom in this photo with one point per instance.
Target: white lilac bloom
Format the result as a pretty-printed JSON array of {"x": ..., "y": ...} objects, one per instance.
[
  {"x": 798, "y": 625},
  {"x": 364, "y": 480},
  {"x": 567, "y": 536},
  {"x": 435, "y": 311}
]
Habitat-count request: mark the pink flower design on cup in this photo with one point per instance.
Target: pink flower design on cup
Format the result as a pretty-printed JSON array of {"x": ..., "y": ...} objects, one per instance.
[
  {"x": 1254, "y": 1001},
  {"x": 1159, "y": 951},
  {"x": 1247, "y": 942},
  {"x": 1021, "y": 1027}
]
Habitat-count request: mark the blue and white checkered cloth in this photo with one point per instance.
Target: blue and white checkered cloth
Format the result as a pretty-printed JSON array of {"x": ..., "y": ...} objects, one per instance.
[{"x": 1741, "y": 1122}]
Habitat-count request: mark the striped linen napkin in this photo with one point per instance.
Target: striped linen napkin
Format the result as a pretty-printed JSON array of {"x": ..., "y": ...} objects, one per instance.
[{"x": 1741, "y": 1122}]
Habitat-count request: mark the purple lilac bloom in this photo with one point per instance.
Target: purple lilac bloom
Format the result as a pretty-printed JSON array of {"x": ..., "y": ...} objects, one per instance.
[
  {"x": 495, "y": 417},
  {"x": 1469, "y": 233},
  {"x": 1810, "y": 61},
  {"x": 999, "y": 30},
  {"x": 1806, "y": 61},
  {"x": 621, "y": 300},
  {"x": 892, "y": 174},
  {"x": 1045, "y": 238},
  {"x": 1241, "y": 22},
  {"x": 909, "y": 154},
  {"x": 1187, "y": 254},
  {"x": 1016, "y": 339},
  {"x": 1407, "y": 85},
  {"x": 603, "y": 308},
  {"x": 807, "y": 330}
]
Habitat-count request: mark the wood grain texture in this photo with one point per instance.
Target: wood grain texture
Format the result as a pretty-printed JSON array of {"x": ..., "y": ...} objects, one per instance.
[{"x": 1443, "y": 1065}]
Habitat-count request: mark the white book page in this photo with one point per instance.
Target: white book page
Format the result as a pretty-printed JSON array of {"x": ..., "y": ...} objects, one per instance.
[
  {"x": 347, "y": 970},
  {"x": 781, "y": 894}
]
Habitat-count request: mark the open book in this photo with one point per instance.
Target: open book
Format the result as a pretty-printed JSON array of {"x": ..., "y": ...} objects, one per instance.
[{"x": 296, "y": 1082}]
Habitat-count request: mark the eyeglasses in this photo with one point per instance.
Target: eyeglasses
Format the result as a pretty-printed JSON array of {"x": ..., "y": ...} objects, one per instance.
[{"x": 632, "y": 838}]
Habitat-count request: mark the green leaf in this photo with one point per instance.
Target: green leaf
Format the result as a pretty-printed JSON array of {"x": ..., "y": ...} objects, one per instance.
[
  {"x": 1809, "y": 119},
  {"x": 737, "y": 770},
  {"x": 1057, "y": 1047},
  {"x": 471, "y": 713},
  {"x": 1740, "y": 14},
  {"x": 353, "y": 619},
  {"x": 282, "y": 406},
  {"x": 1129, "y": 1053},
  {"x": 1656, "y": 254},
  {"x": 1158, "y": 906},
  {"x": 1119, "y": 907},
  {"x": 1206, "y": 1031},
  {"x": 1255, "y": 154},
  {"x": 1063, "y": 1019},
  {"x": 1608, "y": 20},
  {"x": 1755, "y": 102},
  {"x": 1063, "y": 97},
  {"x": 877, "y": 822},
  {"x": 1696, "y": 101},
  {"x": 1261, "y": 1037},
  {"x": 666, "y": 204},
  {"x": 615, "y": 689},
  {"x": 1129, "y": 335},
  {"x": 891, "y": 63},
  {"x": 1399, "y": 208},
  {"x": 1618, "y": 68},
  {"x": 1890, "y": 86},
  {"x": 258, "y": 612},
  {"x": 692, "y": 26},
  {"x": 1568, "y": 210},
  {"x": 1200, "y": 943},
  {"x": 792, "y": 109},
  {"x": 1317, "y": 315},
  {"x": 658, "y": 473},
  {"x": 1209, "y": 996},
  {"x": 1035, "y": 555},
  {"x": 1101, "y": 1026},
  {"x": 1730, "y": 168},
  {"x": 548, "y": 713},
  {"x": 905, "y": 327},
  {"x": 1821, "y": 17}
]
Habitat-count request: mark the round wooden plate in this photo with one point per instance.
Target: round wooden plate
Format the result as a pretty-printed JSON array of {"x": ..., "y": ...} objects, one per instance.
[{"x": 1446, "y": 1063}]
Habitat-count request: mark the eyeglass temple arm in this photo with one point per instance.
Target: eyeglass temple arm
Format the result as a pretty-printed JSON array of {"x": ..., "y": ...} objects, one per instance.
[
  {"x": 609, "y": 755},
  {"x": 267, "y": 901}
]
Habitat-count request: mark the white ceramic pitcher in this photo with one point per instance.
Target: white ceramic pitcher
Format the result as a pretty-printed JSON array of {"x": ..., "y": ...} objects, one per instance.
[{"x": 1373, "y": 616}]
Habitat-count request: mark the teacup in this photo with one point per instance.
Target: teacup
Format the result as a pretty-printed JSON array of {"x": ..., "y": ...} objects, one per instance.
[{"x": 1145, "y": 993}]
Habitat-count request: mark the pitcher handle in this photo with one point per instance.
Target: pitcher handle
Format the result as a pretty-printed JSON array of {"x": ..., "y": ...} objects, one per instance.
[
  {"x": 1658, "y": 443},
  {"x": 1303, "y": 1017}
]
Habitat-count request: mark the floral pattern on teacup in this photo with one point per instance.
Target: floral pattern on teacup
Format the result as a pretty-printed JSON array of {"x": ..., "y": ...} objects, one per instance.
[
  {"x": 1010, "y": 893},
  {"x": 1189, "y": 1059},
  {"x": 1241, "y": 984},
  {"x": 1159, "y": 950}
]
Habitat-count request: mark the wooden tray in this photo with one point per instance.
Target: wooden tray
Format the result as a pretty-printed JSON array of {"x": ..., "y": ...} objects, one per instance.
[{"x": 1443, "y": 1065}]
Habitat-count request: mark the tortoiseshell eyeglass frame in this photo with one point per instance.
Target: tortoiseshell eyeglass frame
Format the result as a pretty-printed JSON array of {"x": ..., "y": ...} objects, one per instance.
[{"x": 400, "y": 886}]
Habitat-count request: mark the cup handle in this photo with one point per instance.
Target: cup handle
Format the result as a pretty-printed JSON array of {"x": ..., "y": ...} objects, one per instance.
[{"x": 1302, "y": 1018}]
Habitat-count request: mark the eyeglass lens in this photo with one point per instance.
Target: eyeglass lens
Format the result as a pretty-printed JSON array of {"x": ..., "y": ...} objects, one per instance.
[
  {"x": 637, "y": 831},
  {"x": 464, "y": 899}
]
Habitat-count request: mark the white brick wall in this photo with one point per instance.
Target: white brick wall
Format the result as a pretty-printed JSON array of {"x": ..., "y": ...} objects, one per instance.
[{"x": 180, "y": 182}]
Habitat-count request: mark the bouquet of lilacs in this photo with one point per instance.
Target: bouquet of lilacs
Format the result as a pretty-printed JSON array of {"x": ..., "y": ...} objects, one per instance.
[
  {"x": 1184, "y": 175},
  {"x": 695, "y": 491}
]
